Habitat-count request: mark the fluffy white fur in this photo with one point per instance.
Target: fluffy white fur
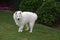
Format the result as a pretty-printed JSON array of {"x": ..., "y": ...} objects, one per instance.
[{"x": 25, "y": 18}]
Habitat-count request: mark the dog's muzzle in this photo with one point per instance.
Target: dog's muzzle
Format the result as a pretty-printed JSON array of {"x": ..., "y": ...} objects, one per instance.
[{"x": 18, "y": 18}]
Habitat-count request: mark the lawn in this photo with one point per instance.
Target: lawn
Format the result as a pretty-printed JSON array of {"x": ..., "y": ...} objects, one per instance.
[{"x": 9, "y": 31}]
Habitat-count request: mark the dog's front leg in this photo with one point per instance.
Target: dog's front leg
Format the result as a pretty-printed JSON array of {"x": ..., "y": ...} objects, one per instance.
[{"x": 20, "y": 29}]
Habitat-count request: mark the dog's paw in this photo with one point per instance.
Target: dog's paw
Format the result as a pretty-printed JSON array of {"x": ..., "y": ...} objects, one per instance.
[
  {"x": 20, "y": 30},
  {"x": 30, "y": 31}
]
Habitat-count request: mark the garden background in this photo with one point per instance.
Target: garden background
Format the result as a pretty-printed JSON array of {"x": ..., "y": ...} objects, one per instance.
[{"x": 47, "y": 26}]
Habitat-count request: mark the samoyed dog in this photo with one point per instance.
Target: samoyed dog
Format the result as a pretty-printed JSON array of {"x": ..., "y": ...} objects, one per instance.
[{"x": 25, "y": 18}]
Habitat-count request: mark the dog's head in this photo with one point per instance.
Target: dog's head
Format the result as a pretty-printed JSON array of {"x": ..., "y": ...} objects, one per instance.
[{"x": 18, "y": 15}]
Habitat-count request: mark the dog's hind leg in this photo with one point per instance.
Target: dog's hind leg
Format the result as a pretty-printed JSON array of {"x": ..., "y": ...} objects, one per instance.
[
  {"x": 31, "y": 24},
  {"x": 27, "y": 26}
]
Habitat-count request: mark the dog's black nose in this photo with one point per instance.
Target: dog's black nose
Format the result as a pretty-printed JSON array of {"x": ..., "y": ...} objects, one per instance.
[{"x": 18, "y": 18}]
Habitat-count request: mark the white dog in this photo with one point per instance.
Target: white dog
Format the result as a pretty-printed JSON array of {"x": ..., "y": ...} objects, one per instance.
[{"x": 25, "y": 18}]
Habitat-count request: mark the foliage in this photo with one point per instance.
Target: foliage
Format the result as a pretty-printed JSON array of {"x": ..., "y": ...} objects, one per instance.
[
  {"x": 58, "y": 0},
  {"x": 47, "y": 12},
  {"x": 30, "y": 5}
]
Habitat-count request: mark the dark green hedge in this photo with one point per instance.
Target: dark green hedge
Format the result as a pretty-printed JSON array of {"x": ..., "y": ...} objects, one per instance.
[
  {"x": 30, "y": 5},
  {"x": 58, "y": 0},
  {"x": 46, "y": 10}
]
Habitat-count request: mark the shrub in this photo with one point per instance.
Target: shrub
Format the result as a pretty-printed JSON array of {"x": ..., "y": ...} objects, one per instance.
[
  {"x": 47, "y": 12},
  {"x": 30, "y": 5}
]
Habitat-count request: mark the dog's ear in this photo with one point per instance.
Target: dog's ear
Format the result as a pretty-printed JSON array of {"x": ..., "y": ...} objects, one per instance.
[
  {"x": 16, "y": 12},
  {"x": 20, "y": 12}
]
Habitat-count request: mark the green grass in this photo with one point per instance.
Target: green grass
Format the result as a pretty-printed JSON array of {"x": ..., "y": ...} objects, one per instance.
[{"x": 9, "y": 31}]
